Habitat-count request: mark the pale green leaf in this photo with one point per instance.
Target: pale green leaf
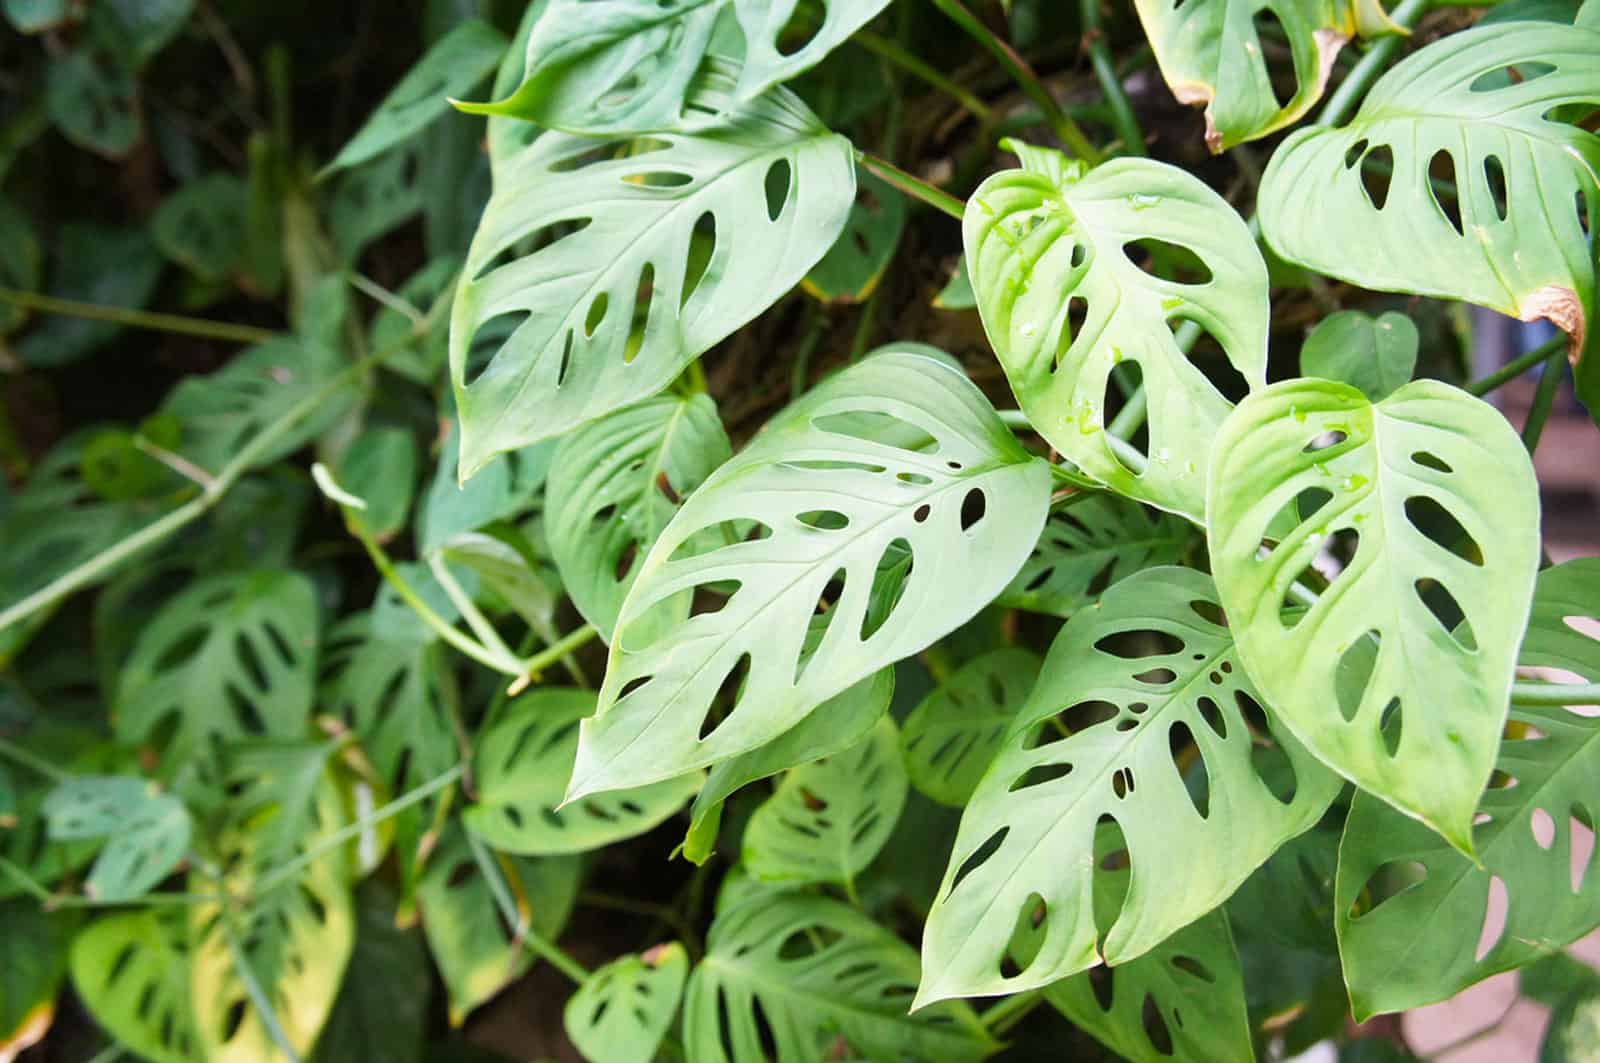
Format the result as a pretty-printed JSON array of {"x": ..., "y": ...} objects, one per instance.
[
  {"x": 146, "y": 832},
  {"x": 624, "y": 1010},
  {"x": 950, "y": 738},
  {"x": 131, "y": 970},
  {"x": 1374, "y": 355}
]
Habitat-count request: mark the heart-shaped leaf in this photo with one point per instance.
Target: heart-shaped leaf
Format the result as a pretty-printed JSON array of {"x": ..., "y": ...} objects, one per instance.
[
  {"x": 612, "y": 304},
  {"x": 615, "y": 484},
  {"x": 523, "y": 763},
  {"x": 816, "y": 976},
  {"x": 1052, "y": 238},
  {"x": 1375, "y": 355},
  {"x": 895, "y": 471},
  {"x": 1144, "y": 718},
  {"x": 624, "y": 1010},
  {"x": 950, "y": 738},
  {"x": 1507, "y": 231},
  {"x": 627, "y": 66},
  {"x": 131, "y": 970},
  {"x": 1445, "y": 928},
  {"x": 1439, "y": 495},
  {"x": 828, "y": 819},
  {"x": 146, "y": 831}
]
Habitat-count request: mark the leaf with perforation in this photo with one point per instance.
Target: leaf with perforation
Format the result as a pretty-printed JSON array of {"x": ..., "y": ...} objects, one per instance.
[
  {"x": 822, "y": 980},
  {"x": 1417, "y": 921},
  {"x": 1051, "y": 237},
  {"x": 1439, "y": 494},
  {"x": 611, "y": 305},
  {"x": 896, "y": 469},
  {"x": 950, "y": 738},
  {"x": 625, "y": 1008},
  {"x": 1142, "y": 717},
  {"x": 144, "y": 831},
  {"x": 131, "y": 970},
  {"x": 1464, "y": 175}
]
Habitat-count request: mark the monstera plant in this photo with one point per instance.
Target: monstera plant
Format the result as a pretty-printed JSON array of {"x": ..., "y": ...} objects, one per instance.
[{"x": 749, "y": 530}]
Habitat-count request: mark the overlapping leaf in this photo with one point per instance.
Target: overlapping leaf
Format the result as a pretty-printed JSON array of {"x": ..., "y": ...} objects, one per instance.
[
  {"x": 1376, "y": 355},
  {"x": 950, "y": 738},
  {"x": 145, "y": 832},
  {"x": 856, "y": 262},
  {"x": 1439, "y": 494},
  {"x": 625, "y": 1008},
  {"x": 33, "y": 955},
  {"x": 131, "y": 970}
]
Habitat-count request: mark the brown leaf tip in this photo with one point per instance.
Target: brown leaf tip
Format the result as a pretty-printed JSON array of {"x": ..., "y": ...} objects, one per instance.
[{"x": 1560, "y": 306}]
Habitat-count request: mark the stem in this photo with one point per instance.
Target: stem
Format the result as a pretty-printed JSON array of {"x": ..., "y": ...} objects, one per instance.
[
  {"x": 145, "y": 319},
  {"x": 1010, "y": 1011},
  {"x": 177, "y": 463},
  {"x": 1544, "y": 398},
  {"x": 1532, "y": 692},
  {"x": 915, "y": 187},
  {"x": 1516, "y": 367},
  {"x": 697, "y": 377},
  {"x": 34, "y": 763},
  {"x": 557, "y": 650},
  {"x": 536, "y": 942},
  {"x": 258, "y": 996},
  {"x": 1124, "y": 451},
  {"x": 384, "y": 297},
  {"x": 487, "y": 635},
  {"x": 1366, "y": 71},
  {"x": 1063, "y": 126},
  {"x": 1123, "y": 119},
  {"x": 905, "y": 60}
]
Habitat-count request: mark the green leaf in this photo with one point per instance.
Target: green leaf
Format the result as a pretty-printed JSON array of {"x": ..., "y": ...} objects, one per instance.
[
  {"x": 376, "y": 197},
  {"x": 382, "y": 1010},
  {"x": 1556, "y": 977},
  {"x": 419, "y": 358},
  {"x": 36, "y": 16},
  {"x": 454, "y": 64},
  {"x": 856, "y": 262},
  {"x": 1429, "y": 940},
  {"x": 231, "y": 656},
  {"x": 1510, "y": 238},
  {"x": 141, "y": 28},
  {"x": 613, "y": 66},
  {"x": 93, "y": 264},
  {"x": 1440, "y": 497},
  {"x": 504, "y": 488},
  {"x": 381, "y": 467},
  {"x": 1130, "y": 692},
  {"x": 957, "y": 294},
  {"x": 94, "y": 101},
  {"x": 950, "y": 738},
  {"x": 1088, "y": 545},
  {"x": 1374, "y": 355},
  {"x": 33, "y": 959},
  {"x": 773, "y": 185},
  {"x": 1212, "y": 53},
  {"x": 131, "y": 970},
  {"x": 894, "y": 470},
  {"x": 20, "y": 262},
  {"x": 8, "y": 800},
  {"x": 202, "y": 226},
  {"x": 819, "y": 978},
  {"x": 624, "y": 1010},
  {"x": 829, "y": 818},
  {"x": 529, "y": 588},
  {"x": 615, "y": 483},
  {"x": 523, "y": 762},
  {"x": 1047, "y": 236},
  {"x": 146, "y": 831}
]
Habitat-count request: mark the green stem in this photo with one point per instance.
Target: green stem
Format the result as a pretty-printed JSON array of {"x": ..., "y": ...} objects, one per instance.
[
  {"x": 1123, "y": 119},
  {"x": 145, "y": 319},
  {"x": 536, "y": 942},
  {"x": 1544, "y": 399},
  {"x": 1010, "y": 1011},
  {"x": 487, "y": 635},
  {"x": 915, "y": 187},
  {"x": 911, "y": 64},
  {"x": 34, "y": 763},
  {"x": 1516, "y": 367},
  {"x": 258, "y": 996},
  {"x": 30, "y": 885},
  {"x": 556, "y": 651},
  {"x": 1530, "y": 692},
  {"x": 1062, "y": 124},
  {"x": 1372, "y": 64}
]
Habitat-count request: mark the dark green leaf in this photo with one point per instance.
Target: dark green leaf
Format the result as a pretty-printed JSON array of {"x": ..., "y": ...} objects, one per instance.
[{"x": 1374, "y": 355}]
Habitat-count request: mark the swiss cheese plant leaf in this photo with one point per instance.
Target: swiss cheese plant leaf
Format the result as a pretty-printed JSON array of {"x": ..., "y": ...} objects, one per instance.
[
  {"x": 95, "y": 264},
  {"x": 1142, "y": 717},
  {"x": 1377, "y": 678},
  {"x": 950, "y": 738},
  {"x": 851, "y": 269},
  {"x": 828, "y": 819},
  {"x": 33, "y": 959},
  {"x": 376, "y": 197},
  {"x": 895, "y": 471},
  {"x": 611, "y": 304},
  {"x": 1417, "y": 920},
  {"x": 619, "y": 66},
  {"x": 1090, "y": 544},
  {"x": 131, "y": 970},
  {"x": 818, "y": 978},
  {"x": 523, "y": 763},
  {"x": 232, "y": 655},
  {"x": 1052, "y": 237},
  {"x": 1376, "y": 355},
  {"x": 1503, "y": 225},
  {"x": 615, "y": 483},
  {"x": 625, "y": 1008},
  {"x": 146, "y": 832},
  {"x": 201, "y": 226},
  {"x": 1213, "y": 54}
]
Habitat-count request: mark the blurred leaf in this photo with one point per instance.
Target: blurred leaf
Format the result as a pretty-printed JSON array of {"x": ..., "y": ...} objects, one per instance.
[
  {"x": 93, "y": 264},
  {"x": 33, "y": 961},
  {"x": 381, "y": 467},
  {"x": 36, "y": 16},
  {"x": 94, "y": 101},
  {"x": 143, "y": 27},
  {"x": 1556, "y": 977},
  {"x": 374, "y": 198},
  {"x": 382, "y": 1010},
  {"x": 420, "y": 358},
  {"x": 503, "y": 489},
  {"x": 20, "y": 262},
  {"x": 131, "y": 970},
  {"x": 1573, "y": 1035},
  {"x": 951, "y": 737},
  {"x": 145, "y": 832},
  {"x": 624, "y": 1010},
  {"x": 203, "y": 225},
  {"x": 853, "y": 266}
]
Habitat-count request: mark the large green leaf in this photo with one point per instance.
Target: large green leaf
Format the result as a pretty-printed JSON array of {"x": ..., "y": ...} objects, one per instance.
[
  {"x": 950, "y": 738},
  {"x": 1213, "y": 54},
  {"x": 523, "y": 763},
  {"x": 1431, "y": 939},
  {"x": 624, "y": 1010},
  {"x": 820, "y": 979},
  {"x": 1510, "y": 237},
  {"x": 610, "y": 66},
  {"x": 33, "y": 959},
  {"x": 145, "y": 831},
  {"x": 615, "y": 483},
  {"x": 609, "y": 306},
  {"x": 131, "y": 970},
  {"x": 1143, "y": 716},
  {"x": 896, "y": 463},
  {"x": 1439, "y": 495},
  {"x": 1051, "y": 235}
]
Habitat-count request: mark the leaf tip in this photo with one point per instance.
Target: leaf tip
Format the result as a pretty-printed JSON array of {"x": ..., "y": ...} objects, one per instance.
[{"x": 1560, "y": 306}]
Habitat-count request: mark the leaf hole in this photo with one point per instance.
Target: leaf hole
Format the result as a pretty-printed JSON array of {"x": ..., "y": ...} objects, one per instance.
[
  {"x": 729, "y": 693},
  {"x": 1543, "y": 827},
  {"x": 1386, "y": 882},
  {"x": 1431, "y": 461},
  {"x": 1509, "y": 76},
  {"x": 1580, "y": 844},
  {"x": 1354, "y": 672},
  {"x": 1211, "y": 713},
  {"x": 1122, "y": 782},
  {"x": 1377, "y": 171},
  {"x": 1155, "y": 1027},
  {"x": 1494, "y": 919},
  {"x": 1443, "y": 607},
  {"x": 824, "y": 520},
  {"x": 1197, "y": 780},
  {"x": 1167, "y": 261},
  {"x": 1156, "y": 676},
  {"x": 980, "y": 856},
  {"x": 1139, "y": 643},
  {"x": 1494, "y": 178},
  {"x": 1390, "y": 725},
  {"x": 1442, "y": 185},
  {"x": 973, "y": 507},
  {"x": 1194, "y": 968},
  {"x": 1038, "y": 775},
  {"x": 1440, "y": 526},
  {"x": 702, "y": 249},
  {"x": 779, "y": 185}
]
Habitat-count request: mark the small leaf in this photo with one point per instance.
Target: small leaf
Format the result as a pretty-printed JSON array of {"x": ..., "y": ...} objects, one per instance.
[
  {"x": 146, "y": 831},
  {"x": 894, "y": 470},
  {"x": 94, "y": 100},
  {"x": 957, "y": 294},
  {"x": 381, "y": 467},
  {"x": 856, "y": 262},
  {"x": 1374, "y": 355},
  {"x": 624, "y": 1010},
  {"x": 131, "y": 970},
  {"x": 1574, "y": 1031},
  {"x": 950, "y": 738},
  {"x": 828, "y": 819},
  {"x": 1440, "y": 497},
  {"x": 201, "y": 226},
  {"x": 143, "y": 27},
  {"x": 33, "y": 955}
]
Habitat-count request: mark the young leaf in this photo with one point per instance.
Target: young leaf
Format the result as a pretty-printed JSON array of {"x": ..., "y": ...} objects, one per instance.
[
  {"x": 851, "y": 269},
  {"x": 1374, "y": 355},
  {"x": 523, "y": 763},
  {"x": 622, "y": 66},
  {"x": 829, "y": 818},
  {"x": 812, "y": 972},
  {"x": 131, "y": 970},
  {"x": 146, "y": 831},
  {"x": 33, "y": 957},
  {"x": 1443, "y": 931},
  {"x": 950, "y": 738},
  {"x": 624, "y": 1010},
  {"x": 1090, "y": 544},
  {"x": 1439, "y": 494},
  {"x": 1051, "y": 237},
  {"x": 607, "y": 309},
  {"x": 615, "y": 483},
  {"x": 1127, "y": 689},
  {"x": 1510, "y": 237},
  {"x": 895, "y": 469}
]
